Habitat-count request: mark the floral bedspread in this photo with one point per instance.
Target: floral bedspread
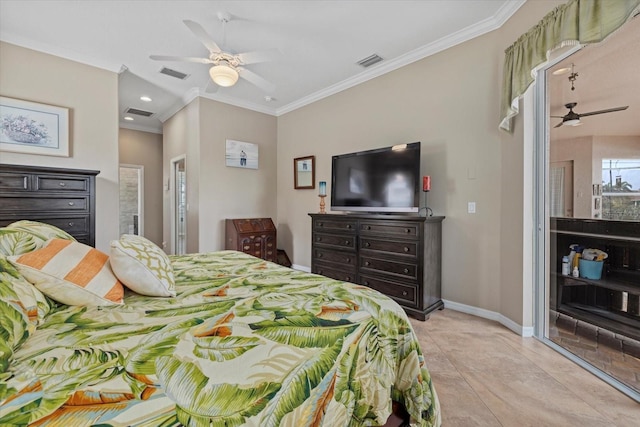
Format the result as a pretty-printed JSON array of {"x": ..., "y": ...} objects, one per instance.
[{"x": 245, "y": 342}]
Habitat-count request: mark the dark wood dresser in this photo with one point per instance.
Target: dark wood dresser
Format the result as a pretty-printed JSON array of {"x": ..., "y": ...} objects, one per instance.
[
  {"x": 64, "y": 198},
  {"x": 253, "y": 236},
  {"x": 398, "y": 255}
]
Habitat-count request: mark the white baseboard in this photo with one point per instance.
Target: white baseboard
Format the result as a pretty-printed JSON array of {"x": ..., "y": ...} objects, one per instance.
[
  {"x": 523, "y": 331},
  {"x": 301, "y": 268}
]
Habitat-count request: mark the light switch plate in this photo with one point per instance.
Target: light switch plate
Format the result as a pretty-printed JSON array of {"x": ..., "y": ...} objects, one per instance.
[{"x": 471, "y": 207}]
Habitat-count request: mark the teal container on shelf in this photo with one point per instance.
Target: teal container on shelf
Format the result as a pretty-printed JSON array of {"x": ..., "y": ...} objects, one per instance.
[{"x": 590, "y": 269}]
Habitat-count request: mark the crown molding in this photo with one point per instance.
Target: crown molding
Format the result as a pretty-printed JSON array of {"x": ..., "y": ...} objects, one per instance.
[
  {"x": 62, "y": 52},
  {"x": 468, "y": 33},
  {"x": 140, "y": 128},
  {"x": 238, "y": 103}
]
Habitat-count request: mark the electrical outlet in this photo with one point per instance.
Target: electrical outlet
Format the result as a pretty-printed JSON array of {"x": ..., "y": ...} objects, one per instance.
[{"x": 471, "y": 207}]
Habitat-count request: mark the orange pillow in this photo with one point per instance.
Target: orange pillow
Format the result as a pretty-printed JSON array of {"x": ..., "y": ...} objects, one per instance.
[{"x": 71, "y": 273}]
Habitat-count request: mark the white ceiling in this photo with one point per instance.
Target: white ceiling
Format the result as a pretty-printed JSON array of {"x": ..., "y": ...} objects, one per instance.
[{"x": 320, "y": 43}]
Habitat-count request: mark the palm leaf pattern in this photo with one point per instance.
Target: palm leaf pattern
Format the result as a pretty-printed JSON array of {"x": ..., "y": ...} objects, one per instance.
[{"x": 244, "y": 342}]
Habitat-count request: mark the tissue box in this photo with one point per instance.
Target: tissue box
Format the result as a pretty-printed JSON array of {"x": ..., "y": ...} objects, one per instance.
[{"x": 590, "y": 269}]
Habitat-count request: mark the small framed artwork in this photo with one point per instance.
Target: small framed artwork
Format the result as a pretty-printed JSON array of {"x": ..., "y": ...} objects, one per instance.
[
  {"x": 33, "y": 128},
  {"x": 304, "y": 173},
  {"x": 241, "y": 154}
]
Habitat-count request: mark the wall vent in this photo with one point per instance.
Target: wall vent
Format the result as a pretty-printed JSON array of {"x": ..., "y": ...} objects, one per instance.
[
  {"x": 173, "y": 73},
  {"x": 370, "y": 60},
  {"x": 139, "y": 112}
]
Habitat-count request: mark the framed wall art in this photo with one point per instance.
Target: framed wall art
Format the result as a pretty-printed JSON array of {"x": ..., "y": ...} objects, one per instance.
[
  {"x": 33, "y": 128},
  {"x": 241, "y": 154},
  {"x": 304, "y": 173}
]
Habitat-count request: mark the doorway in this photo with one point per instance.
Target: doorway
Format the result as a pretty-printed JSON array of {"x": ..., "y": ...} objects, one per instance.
[
  {"x": 131, "y": 178},
  {"x": 179, "y": 205},
  {"x": 593, "y": 318}
]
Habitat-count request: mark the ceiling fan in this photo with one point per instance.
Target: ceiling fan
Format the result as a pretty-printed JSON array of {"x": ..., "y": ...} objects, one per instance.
[
  {"x": 226, "y": 67},
  {"x": 573, "y": 119}
]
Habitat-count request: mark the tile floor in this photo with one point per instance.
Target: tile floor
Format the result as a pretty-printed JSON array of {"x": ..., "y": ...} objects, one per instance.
[{"x": 485, "y": 375}]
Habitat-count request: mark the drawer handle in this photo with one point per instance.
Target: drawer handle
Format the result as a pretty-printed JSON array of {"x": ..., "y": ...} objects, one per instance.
[
  {"x": 318, "y": 239},
  {"x": 406, "y": 270},
  {"x": 71, "y": 203},
  {"x": 367, "y": 244},
  {"x": 320, "y": 224},
  {"x": 347, "y": 279},
  {"x": 366, "y": 283},
  {"x": 406, "y": 249},
  {"x": 347, "y": 243},
  {"x": 71, "y": 224},
  {"x": 367, "y": 227},
  {"x": 367, "y": 263},
  {"x": 319, "y": 255},
  {"x": 347, "y": 260},
  {"x": 407, "y": 230},
  {"x": 349, "y": 226},
  {"x": 405, "y": 293},
  {"x": 319, "y": 271},
  {"x": 62, "y": 184}
]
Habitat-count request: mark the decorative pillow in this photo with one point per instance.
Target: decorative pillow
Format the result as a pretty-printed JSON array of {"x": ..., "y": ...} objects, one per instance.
[
  {"x": 15, "y": 288},
  {"x": 71, "y": 273},
  {"x": 40, "y": 231},
  {"x": 142, "y": 266}
]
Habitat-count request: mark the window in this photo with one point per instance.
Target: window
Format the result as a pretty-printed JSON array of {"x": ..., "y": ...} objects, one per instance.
[{"x": 621, "y": 189}]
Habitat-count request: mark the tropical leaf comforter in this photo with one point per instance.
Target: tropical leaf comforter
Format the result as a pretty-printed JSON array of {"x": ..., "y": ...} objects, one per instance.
[{"x": 245, "y": 342}]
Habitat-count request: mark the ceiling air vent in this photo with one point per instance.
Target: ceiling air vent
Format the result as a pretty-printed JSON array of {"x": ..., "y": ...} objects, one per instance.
[
  {"x": 139, "y": 112},
  {"x": 370, "y": 60},
  {"x": 173, "y": 73}
]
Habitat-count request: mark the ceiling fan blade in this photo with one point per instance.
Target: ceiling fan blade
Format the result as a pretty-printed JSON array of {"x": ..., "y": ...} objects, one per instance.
[
  {"x": 558, "y": 125},
  {"x": 608, "y": 110},
  {"x": 256, "y": 80},
  {"x": 203, "y": 36},
  {"x": 557, "y": 117},
  {"x": 259, "y": 56},
  {"x": 181, "y": 59}
]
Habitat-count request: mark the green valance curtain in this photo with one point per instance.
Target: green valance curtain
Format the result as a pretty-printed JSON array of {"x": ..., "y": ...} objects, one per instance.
[{"x": 577, "y": 21}]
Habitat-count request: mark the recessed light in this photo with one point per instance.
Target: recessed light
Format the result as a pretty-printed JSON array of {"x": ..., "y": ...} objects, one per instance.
[
  {"x": 269, "y": 98},
  {"x": 561, "y": 71},
  {"x": 128, "y": 118},
  {"x": 145, "y": 98}
]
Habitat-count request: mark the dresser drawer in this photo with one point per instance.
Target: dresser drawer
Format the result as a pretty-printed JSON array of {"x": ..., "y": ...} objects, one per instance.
[
  {"x": 53, "y": 183},
  {"x": 44, "y": 204},
  {"x": 406, "y": 294},
  {"x": 78, "y": 225},
  {"x": 343, "y": 258},
  {"x": 400, "y": 269},
  {"x": 344, "y": 241},
  {"x": 342, "y": 225},
  {"x": 14, "y": 181},
  {"x": 396, "y": 228},
  {"x": 408, "y": 248},
  {"x": 346, "y": 274}
]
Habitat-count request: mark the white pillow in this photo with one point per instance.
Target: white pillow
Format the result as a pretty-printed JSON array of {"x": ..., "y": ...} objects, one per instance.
[
  {"x": 142, "y": 266},
  {"x": 71, "y": 273}
]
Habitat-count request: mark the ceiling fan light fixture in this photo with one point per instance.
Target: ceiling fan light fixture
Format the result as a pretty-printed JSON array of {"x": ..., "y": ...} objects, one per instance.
[
  {"x": 223, "y": 75},
  {"x": 572, "y": 122}
]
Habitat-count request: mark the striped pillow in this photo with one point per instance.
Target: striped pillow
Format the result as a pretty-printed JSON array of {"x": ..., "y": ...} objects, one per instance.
[{"x": 71, "y": 273}]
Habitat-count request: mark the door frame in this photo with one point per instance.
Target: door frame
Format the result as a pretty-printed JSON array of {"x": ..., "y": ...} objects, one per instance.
[{"x": 172, "y": 187}]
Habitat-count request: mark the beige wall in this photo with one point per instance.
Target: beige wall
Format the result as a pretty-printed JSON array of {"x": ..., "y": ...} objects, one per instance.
[
  {"x": 181, "y": 136},
  {"x": 145, "y": 149},
  {"x": 91, "y": 94},
  {"x": 215, "y": 191},
  {"x": 449, "y": 102}
]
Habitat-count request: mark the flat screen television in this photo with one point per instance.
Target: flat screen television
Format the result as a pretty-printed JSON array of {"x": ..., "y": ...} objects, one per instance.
[{"x": 384, "y": 180}]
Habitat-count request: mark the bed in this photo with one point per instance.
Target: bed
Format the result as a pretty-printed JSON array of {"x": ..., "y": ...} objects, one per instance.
[{"x": 243, "y": 342}]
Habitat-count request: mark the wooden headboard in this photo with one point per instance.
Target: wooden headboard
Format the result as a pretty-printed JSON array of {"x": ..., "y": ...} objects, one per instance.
[{"x": 65, "y": 198}]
